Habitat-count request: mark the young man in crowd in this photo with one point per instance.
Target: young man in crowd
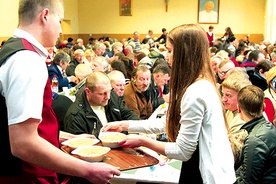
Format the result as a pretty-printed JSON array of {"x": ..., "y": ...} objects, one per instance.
[{"x": 258, "y": 163}]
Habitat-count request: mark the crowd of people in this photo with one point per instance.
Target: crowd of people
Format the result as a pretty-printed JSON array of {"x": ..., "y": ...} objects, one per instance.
[
  {"x": 139, "y": 79},
  {"x": 221, "y": 114}
]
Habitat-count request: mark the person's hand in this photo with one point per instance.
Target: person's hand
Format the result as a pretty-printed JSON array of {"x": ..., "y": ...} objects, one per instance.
[
  {"x": 166, "y": 98},
  {"x": 73, "y": 79},
  {"x": 132, "y": 141},
  {"x": 116, "y": 126},
  {"x": 102, "y": 173}
]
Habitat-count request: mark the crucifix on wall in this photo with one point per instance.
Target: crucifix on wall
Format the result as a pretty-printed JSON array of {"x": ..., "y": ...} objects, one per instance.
[{"x": 166, "y": 2}]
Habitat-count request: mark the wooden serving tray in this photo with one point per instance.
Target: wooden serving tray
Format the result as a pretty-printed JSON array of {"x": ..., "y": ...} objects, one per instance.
[{"x": 125, "y": 158}]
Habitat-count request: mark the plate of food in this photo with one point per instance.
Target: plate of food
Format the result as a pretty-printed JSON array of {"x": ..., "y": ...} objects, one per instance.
[
  {"x": 91, "y": 153},
  {"x": 111, "y": 139},
  {"x": 80, "y": 141}
]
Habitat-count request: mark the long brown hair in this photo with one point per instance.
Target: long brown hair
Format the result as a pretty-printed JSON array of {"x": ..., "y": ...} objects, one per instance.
[{"x": 190, "y": 61}]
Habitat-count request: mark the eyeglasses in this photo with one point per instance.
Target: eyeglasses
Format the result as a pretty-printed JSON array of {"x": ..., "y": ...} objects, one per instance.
[{"x": 224, "y": 72}]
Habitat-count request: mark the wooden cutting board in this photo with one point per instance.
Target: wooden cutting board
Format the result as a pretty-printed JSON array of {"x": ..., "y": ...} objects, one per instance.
[{"x": 126, "y": 158}]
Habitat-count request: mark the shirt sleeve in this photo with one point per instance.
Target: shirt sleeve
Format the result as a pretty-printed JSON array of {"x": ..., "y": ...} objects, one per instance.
[
  {"x": 24, "y": 84},
  {"x": 154, "y": 126},
  {"x": 192, "y": 112}
]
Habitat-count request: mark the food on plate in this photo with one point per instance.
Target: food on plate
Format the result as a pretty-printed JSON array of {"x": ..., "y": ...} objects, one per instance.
[
  {"x": 111, "y": 139},
  {"x": 77, "y": 142},
  {"x": 72, "y": 91},
  {"x": 91, "y": 153}
]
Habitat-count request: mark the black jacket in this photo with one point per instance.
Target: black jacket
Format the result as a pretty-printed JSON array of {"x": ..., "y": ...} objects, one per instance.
[
  {"x": 80, "y": 118},
  {"x": 70, "y": 70},
  {"x": 259, "y": 81},
  {"x": 258, "y": 155},
  {"x": 154, "y": 94}
]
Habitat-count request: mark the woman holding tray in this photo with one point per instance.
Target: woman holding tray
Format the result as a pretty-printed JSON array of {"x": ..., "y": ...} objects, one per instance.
[{"x": 196, "y": 126}]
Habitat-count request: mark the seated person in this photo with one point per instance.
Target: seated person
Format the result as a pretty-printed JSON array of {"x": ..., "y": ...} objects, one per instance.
[
  {"x": 100, "y": 63},
  {"x": 270, "y": 95},
  {"x": 137, "y": 95},
  {"x": 96, "y": 106},
  {"x": 224, "y": 69},
  {"x": 78, "y": 57},
  {"x": 89, "y": 55},
  {"x": 258, "y": 163},
  {"x": 254, "y": 58},
  {"x": 160, "y": 77},
  {"x": 258, "y": 78},
  {"x": 117, "y": 47},
  {"x": 230, "y": 89},
  {"x": 118, "y": 65},
  {"x": 118, "y": 82},
  {"x": 57, "y": 69},
  {"x": 162, "y": 39},
  {"x": 81, "y": 71},
  {"x": 215, "y": 61}
]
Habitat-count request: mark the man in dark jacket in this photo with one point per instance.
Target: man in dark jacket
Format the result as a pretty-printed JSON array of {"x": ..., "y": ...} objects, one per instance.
[
  {"x": 258, "y": 163},
  {"x": 97, "y": 105},
  {"x": 77, "y": 59},
  {"x": 258, "y": 78},
  {"x": 159, "y": 85},
  {"x": 162, "y": 39}
]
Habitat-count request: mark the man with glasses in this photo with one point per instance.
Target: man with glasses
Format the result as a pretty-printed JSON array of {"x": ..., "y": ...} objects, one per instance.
[{"x": 224, "y": 68}]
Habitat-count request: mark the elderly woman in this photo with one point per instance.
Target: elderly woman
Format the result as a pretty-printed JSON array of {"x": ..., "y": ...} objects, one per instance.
[{"x": 89, "y": 55}]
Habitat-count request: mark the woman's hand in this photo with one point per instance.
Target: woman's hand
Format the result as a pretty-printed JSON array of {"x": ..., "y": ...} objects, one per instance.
[
  {"x": 132, "y": 141},
  {"x": 116, "y": 126}
]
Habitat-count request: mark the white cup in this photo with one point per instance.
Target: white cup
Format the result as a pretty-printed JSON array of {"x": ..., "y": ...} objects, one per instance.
[{"x": 65, "y": 90}]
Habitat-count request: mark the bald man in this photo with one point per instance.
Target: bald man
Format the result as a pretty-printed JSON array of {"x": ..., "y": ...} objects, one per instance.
[
  {"x": 81, "y": 71},
  {"x": 118, "y": 82},
  {"x": 97, "y": 105}
]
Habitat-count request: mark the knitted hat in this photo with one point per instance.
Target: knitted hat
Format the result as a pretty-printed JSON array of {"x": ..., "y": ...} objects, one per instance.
[{"x": 271, "y": 74}]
